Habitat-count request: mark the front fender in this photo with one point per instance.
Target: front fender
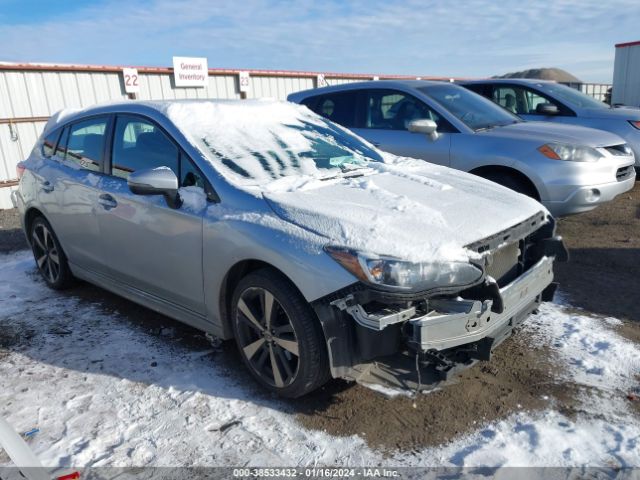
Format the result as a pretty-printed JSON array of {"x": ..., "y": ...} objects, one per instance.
[
  {"x": 230, "y": 238},
  {"x": 476, "y": 151}
]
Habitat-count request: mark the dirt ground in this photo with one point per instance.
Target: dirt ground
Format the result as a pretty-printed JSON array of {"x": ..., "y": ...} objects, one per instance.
[{"x": 601, "y": 278}]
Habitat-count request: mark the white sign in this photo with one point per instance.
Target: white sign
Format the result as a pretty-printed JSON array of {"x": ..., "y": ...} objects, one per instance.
[
  {"x": 190, "y": 72},
  {"x": 243, "y": 81},
  {"x": 131, "y": 80},
  {"x": 376, "y": 78},
  {"x": 321, "y": 81}
]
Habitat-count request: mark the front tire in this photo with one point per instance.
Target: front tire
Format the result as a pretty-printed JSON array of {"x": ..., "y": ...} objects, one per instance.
[
  {"x": 49, "y": 256},
  {"x": 278, "y": 335}
]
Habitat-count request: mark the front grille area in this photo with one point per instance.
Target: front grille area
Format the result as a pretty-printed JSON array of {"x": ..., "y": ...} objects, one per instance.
[
  {"x": 624, "y": 172},
  {"x": 502, "y": 264},
  {"x": 508, "y": 254}
]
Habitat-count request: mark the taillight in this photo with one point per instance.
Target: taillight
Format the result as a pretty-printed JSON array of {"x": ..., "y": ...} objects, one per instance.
[
  {"x": 635, "y": 123},
  {"x": 20, "y": 170}
]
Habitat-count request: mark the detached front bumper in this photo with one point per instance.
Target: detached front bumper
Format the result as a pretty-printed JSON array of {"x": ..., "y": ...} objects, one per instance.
[{"x": 455, "y": 322}]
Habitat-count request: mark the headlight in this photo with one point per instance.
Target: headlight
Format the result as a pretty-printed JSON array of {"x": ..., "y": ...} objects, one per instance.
[
  {"x": 398, "y": 274},
  {"x": 570, "y": 153}
]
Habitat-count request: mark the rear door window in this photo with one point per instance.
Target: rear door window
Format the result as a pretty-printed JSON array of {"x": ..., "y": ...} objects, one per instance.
[
  {"x": 140, "y": 144},
  {"x": 85, "y": 143}
]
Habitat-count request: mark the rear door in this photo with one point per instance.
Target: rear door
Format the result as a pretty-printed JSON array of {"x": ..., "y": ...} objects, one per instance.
[
  {"x": 71, "y": 192},
  {"x": 151, "y": 247},
  {"x": 387, "y": 114}
]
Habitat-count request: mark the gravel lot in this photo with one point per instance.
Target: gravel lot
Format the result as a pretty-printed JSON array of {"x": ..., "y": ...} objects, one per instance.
[{"x": 601, "y": 281}]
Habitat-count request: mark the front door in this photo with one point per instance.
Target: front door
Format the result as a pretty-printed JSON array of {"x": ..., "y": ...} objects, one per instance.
[
  {"x": 387, "y": 117},
  {"x": 523, "y": 101},
  {"x": 150, "y": 246}
]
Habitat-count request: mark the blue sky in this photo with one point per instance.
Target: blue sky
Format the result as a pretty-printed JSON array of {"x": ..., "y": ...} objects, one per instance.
[{"x": 471, "y": 38}]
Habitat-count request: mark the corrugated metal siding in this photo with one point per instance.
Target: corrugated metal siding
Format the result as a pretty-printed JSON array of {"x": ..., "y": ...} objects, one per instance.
[
  {"x": 278, "y": 87},
  {"x": 626, "y": 75}
]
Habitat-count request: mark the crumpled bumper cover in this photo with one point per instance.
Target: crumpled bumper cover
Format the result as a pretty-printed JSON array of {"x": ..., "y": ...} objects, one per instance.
[{"x": 456, "y": 322}]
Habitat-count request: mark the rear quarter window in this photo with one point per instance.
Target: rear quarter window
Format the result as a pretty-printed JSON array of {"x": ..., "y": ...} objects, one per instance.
[{"x": 49, "y": 144}]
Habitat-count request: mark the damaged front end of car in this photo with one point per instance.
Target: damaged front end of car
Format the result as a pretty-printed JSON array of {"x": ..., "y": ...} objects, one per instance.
[{"x": 417, "y": 338}]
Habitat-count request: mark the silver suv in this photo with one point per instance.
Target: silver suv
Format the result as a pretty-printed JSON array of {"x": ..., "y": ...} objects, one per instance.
[
  {"x": 569, "y": 169},
  {"x": 545, "y": 100},
  {"x": 263, "y": 222}
]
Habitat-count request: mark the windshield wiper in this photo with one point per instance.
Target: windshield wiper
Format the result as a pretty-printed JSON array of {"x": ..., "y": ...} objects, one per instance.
[
  {"x": 491, "y": 127},
  {"x": 350, "y": 173}
]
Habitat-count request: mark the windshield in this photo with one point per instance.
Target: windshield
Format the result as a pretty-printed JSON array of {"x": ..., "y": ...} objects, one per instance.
[
  {"x": 473, "y": 110},
  {"x": 572, "y": 97},
  {"x": 253, "y": 143}
]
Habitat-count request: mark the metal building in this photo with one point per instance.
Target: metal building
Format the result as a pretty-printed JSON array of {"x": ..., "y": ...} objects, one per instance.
[
  {"x": 30, "y": 93},
  {"x": 626, "y": 75}
]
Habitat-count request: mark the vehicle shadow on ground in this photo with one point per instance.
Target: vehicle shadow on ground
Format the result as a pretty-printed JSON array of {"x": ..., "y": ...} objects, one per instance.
[
  {"x": 89, "y": 330},
  {"x": 604, "y": 281},
  {"x": 12, "y": 239},
  {"x": 156, "y": 331}
]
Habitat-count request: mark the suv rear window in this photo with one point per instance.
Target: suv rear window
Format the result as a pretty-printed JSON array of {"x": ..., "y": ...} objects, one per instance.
[{"x": 338, "y": 107}]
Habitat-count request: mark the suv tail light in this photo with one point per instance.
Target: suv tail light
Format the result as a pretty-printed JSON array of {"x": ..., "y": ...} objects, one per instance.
[
  {"x": 20, "y": 170},
  {"x": 635, "y": 123}
]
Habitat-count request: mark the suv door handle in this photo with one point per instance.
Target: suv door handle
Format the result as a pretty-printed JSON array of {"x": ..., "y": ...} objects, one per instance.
[
  {"x": 46, "y": 186},
  {"x": 107, "y": 201},
  {"x": 375, "y": 144}
]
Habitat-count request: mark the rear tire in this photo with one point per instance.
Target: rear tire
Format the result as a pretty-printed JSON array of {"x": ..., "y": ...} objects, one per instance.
[
  {"x": 49, "y": 256},
  {"x": 279, "y": 337},
  {"x": 512, "y": 182}
]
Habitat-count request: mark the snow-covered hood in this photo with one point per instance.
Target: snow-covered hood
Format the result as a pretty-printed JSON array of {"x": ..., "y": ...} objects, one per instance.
[
  {"x": 409, "y": 209},
  {"x": 548, "y": 132},
  {"x": 618, "y": 113}
]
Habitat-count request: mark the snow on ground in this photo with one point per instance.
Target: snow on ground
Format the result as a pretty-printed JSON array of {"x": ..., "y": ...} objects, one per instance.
[{"x": 105, "y": 392}]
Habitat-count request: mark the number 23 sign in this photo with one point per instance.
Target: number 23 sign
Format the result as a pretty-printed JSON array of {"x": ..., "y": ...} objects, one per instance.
[{"x": 131, "y": 80}]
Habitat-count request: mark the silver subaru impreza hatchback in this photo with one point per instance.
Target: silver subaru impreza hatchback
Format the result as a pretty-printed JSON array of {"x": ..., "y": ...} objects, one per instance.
[{"x": 264, "y": 222}]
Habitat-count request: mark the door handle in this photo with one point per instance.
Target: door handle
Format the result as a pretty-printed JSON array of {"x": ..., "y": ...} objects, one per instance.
[
  {"x": 46, "y": 186},
  {"x": 107, "y": 201},
  {"x": 375, "y": 144}
]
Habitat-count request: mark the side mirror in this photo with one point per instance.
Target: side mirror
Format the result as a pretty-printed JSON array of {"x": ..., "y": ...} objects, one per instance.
[
  {"x": 547, "y": 109},
  {"x": 156, "y": 181},
  {"x": 428, "y": 127}
]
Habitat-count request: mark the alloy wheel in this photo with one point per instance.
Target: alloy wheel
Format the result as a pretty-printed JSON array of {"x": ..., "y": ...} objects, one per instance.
[
  {"x": 266, "y": 337},
  {"x": 46, "y": 253}
]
